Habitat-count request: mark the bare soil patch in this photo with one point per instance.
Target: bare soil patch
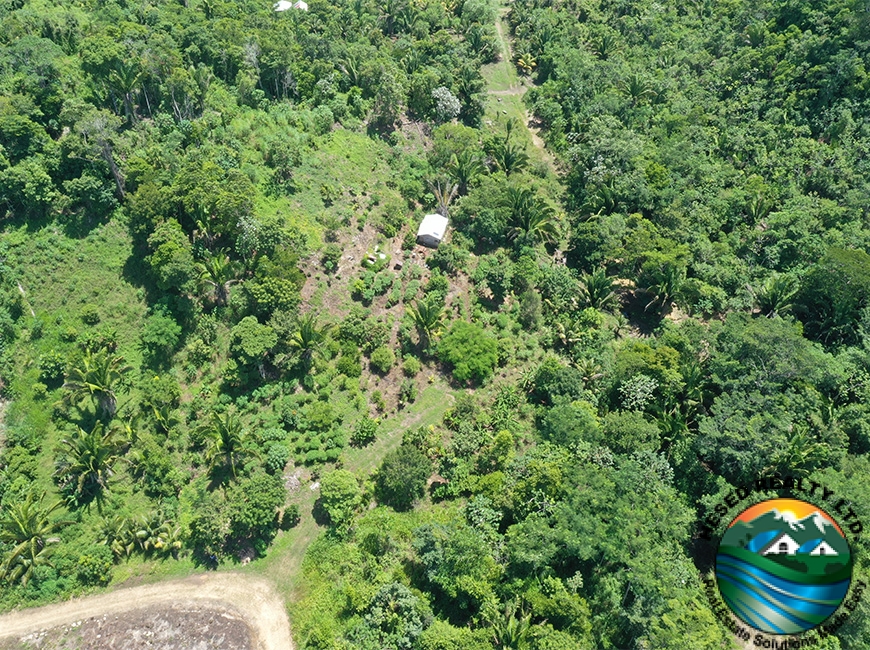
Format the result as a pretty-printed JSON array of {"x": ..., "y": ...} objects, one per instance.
[
  {"x": 179, "y": 627},
  {"x": 248, "y": 604}
]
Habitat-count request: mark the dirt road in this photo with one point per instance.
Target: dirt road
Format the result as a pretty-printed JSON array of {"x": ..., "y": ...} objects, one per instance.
[{"x": 254, "y": 598}]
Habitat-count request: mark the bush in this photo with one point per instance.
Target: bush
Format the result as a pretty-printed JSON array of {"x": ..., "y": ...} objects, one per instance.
[
  {"x": 90, "y": 315},
  {"x": 276, "y": 457},
  {"x": 349, "y": 365},
  {"x": 51, "y": 367},
  {"x": 365, "y": 432},
  {"x": 290, "y": 517},
  {"x": 383, "y": 359},
  {"x": 471, "y": 352},
  {"x": 411, "y": 367},
  {"x": 40, "y": 391},
  {"x": 160, "y": 336},
  {"x": 448, "y": 258},
  {"x": 95, "y": 565},
  {"x": 408, "y": 392},
  {"x": 331, "y": 257}
]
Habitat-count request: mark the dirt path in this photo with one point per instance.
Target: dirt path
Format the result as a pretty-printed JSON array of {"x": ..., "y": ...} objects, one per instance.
[
  {"x": 517, "y": 86},
  {"x": 254, "y": 598}
]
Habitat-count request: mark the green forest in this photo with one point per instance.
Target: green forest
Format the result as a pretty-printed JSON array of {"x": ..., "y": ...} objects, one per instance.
[{"x": 221, "y": 347}]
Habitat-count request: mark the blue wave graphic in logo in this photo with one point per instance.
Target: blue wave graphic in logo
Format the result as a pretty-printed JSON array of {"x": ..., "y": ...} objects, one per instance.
[{"x": 772, "y": 603}]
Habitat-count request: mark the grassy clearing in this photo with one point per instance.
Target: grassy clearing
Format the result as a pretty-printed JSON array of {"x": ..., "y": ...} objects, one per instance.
[{"x": 283, "y": 563}]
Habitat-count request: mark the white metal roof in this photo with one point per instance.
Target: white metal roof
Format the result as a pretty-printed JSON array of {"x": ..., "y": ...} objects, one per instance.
[{"x": 433, "y": 225}]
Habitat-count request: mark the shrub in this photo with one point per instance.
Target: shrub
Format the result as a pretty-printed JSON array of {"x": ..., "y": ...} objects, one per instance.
[
  {"x": 471, "y": 352},
  {"x": 290, "y": 517},
  {"x": 90, "y": 315},
  {"x": 411, "y": 367},
  {"x": 408, "y": 392},
  {"x": 95, "y": 565},
  {"x": 382, "y": 359},
  {"x": 51, "y": 367},
  {"x": 365, "y": 432}
]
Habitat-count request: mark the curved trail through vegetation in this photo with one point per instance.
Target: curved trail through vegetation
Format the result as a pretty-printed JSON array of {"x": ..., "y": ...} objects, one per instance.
[{"x": 254, "y": 598}]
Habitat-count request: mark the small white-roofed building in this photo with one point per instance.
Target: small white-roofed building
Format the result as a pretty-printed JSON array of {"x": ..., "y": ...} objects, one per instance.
[{"x": 432, "y": 230}]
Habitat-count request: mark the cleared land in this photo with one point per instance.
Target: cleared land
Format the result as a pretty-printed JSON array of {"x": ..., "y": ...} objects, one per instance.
[{"x": 243, "y": 612}]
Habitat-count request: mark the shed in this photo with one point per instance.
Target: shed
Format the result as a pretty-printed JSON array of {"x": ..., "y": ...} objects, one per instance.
[{"x": 432, "y": 230}]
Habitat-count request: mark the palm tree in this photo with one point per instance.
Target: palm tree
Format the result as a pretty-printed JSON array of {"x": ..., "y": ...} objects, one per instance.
[
  {"x": 589, "y": 369},
  {"x": 118, "y": 534},
  {"x": 308, "y": 339},
  {"x": 758, "y": 207},
  {"x": 799, "y": 455},
  {"x": 526, "y": 62},
  {"x": 225, "y": 439},
  {"x": 605, "y": 45},
  {"x": 28, "y": 528},
  {"x": 596, "y": 291},
  {"x": 669, "y": 282},
  {"x": 156, "y": 535},
  {"x": 638, "y": 88},
  {"x": 217, "y": 273},
  {"x": 444, "y": 192},
  {"x": 85, "y": 467},
  {"x": 776, "y": 295},
  {"x": 510, "y": 157},
  {"x": 530, "y": 218},
  {"x": 465, "y": 168},
  {"x": 427, "y": 316},
  {"x": 350, "y": 66},
  {"x": 125, "y": 79},
  {"x": 98, "y": 376},
  {"x": 509, "y": 631}
]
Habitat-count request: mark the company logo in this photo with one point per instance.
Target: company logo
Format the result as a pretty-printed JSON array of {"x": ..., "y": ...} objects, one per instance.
[{"x": 783, "y": 566}]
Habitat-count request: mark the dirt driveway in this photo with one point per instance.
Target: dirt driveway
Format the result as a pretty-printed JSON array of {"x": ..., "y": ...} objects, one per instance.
[{"x": 254, "y": 598}]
